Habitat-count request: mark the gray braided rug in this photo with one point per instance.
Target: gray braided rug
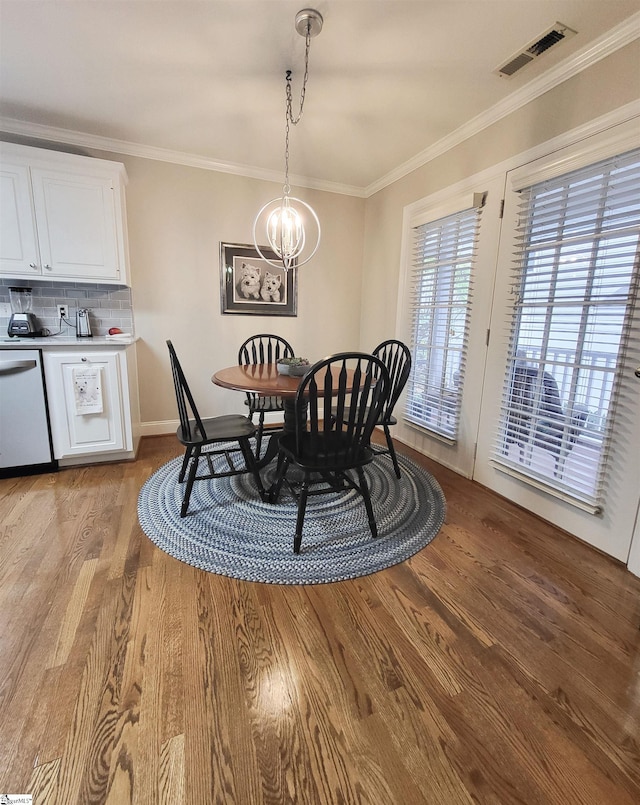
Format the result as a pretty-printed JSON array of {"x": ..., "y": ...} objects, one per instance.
[{"x": 230, "y": 531}]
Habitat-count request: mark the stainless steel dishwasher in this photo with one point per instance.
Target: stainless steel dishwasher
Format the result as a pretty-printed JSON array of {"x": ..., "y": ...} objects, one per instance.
[{"x": 25, "y": 436}]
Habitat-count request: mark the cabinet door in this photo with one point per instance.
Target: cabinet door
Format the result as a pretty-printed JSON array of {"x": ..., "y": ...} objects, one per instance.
[
  {"x": 18, "y": 249},
  {"x": 85, "y": 402},
  {"x": 77, "y": 231}
]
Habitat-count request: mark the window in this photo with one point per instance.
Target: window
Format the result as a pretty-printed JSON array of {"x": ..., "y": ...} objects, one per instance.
[
  {"x": 574, "y": 284},
  {"x": 440, "y": 285}
]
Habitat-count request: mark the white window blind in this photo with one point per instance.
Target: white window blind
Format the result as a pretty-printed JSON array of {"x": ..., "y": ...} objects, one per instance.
[
  {"x": 439, "y": 303},
  {"x": 574, "y": 283}
]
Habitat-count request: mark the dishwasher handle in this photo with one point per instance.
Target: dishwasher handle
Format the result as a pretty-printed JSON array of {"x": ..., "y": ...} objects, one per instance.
[{"x": 16, "y": 366}]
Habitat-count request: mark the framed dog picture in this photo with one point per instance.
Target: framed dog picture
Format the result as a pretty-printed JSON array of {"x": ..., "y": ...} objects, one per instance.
[{"x": 250, "y": 285}]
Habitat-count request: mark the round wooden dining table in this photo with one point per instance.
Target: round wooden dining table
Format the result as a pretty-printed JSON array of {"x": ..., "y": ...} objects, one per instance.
[
  {"x": 265, "y": 380},
  {"x": 258, "y": 378}
]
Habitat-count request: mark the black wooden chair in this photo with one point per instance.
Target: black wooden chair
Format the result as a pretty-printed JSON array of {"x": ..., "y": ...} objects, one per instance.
[
  {"x": 196, "y": 433},
  {"x": 326, "y": 448},
  {"x": 397, "y": 358},
  {"x": 263, "y": 348},
  {"x": 536, "y": 416}
]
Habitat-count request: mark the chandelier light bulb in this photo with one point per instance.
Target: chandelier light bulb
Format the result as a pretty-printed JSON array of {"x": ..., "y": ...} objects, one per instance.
[{"x": 285, "y": 231}]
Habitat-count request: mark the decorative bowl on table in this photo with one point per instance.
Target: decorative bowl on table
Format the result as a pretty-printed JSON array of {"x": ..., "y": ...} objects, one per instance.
[{"x": 296, "y": 367}]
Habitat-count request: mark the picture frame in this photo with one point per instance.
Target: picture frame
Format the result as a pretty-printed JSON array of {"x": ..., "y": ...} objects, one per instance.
[{"x": 251, "y": 286}]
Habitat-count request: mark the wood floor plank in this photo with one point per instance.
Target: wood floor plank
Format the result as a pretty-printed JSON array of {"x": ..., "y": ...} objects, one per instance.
[
  {"x": 171, "y": 782},
  {"x": 28, "y": 643},
  {"x": 336, "y": 701},
  {"x": 73, "y": 613},
  {"x": 399, "y": 704},
  {"x": 172, "y": 643},
  {"x": 209, "y": 768},
  {"x": 552, "y": 767},
  {"x": 86, "y": 755},
  {"x": 43, "y": 782},
  {"x": 499, "y": 665},
  {"x": 582, "y": 715}
]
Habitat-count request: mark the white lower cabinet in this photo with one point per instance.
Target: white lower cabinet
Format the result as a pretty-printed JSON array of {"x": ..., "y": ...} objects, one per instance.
[{"x": 92, "y": 396}]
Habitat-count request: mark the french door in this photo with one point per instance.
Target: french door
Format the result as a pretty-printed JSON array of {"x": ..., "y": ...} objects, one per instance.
[{"x": 560, "y": 421}]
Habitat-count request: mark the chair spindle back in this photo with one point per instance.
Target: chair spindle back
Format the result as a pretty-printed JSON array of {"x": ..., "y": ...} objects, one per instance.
[
  {"x": 397, "y": 358},
  {"x": 356, "y": 405},
  {"x": 187, "y": 410}
]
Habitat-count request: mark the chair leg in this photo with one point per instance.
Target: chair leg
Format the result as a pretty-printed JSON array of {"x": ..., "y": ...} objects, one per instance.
[
  {"x": 259, "y": 434},
  {"x": 190, "y": 480},
  {"x": 367, "y": 502},
  {"x": 185, "y": 461},
  {"x": 392, "y": 450},
  {"x": 281, "y": 471},
  {"x": 302, "y": 506},
  {"x": 250, "y": 462}
]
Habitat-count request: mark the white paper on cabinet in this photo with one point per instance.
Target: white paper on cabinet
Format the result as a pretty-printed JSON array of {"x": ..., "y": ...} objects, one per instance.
[{"x": 87, "y": 389}]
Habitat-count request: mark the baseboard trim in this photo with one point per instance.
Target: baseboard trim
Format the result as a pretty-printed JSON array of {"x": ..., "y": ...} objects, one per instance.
[{"x": 159, "y": 428}]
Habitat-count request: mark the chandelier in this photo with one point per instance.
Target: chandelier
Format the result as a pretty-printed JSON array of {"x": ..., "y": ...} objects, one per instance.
[{"x": 290, "y": 225}]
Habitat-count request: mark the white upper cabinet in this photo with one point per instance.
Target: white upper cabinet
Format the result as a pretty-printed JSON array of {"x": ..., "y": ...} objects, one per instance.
[
  {"x": 63, "y": 216},
  {"x": 18, "y": 244}
]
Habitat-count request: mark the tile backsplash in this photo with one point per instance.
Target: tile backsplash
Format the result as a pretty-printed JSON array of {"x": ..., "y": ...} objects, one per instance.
[{"x": 108, "y": 305}]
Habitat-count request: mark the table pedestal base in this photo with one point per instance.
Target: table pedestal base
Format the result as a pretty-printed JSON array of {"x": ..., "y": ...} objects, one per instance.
[{"x": 289, "y": 426}]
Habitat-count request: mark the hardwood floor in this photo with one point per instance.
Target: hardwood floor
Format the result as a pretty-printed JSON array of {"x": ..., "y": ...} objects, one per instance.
[{"x": 501, "y": 664}]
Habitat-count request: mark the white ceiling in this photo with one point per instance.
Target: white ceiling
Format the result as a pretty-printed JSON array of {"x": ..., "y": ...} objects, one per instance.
[{"x": 389, "y": 79}]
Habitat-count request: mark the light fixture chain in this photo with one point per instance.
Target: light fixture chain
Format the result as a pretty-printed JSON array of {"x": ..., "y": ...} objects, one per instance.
[
  {"x": 303, "y": 91},
  {"x": 289, "y": 116},
  {"x": 287, "y": 187}
]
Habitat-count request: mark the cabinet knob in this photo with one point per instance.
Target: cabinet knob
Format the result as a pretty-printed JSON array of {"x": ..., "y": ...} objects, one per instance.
[
  {"x": 48, "y": 267},
  {"x": 32, "y": 265},
  {"x": 83, "y": 359}
]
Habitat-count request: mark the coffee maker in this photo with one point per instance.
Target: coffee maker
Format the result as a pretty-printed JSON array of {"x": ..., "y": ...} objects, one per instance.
[
  {"x": 22, "y": 322},
  {"x": 83, "y": 325}
]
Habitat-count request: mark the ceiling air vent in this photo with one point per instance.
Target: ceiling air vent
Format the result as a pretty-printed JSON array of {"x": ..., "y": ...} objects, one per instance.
[{"x": 529, "y": 52}]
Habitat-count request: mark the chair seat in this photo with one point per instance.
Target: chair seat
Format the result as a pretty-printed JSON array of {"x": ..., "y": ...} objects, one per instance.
[
  {"x": 327, "y": 453},
  {"x": 266, "y": 404},
  {"x": 231, "y": 426}
]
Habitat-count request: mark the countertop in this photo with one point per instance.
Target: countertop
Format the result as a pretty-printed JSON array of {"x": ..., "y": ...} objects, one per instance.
[{"x": 53, "y": 341}]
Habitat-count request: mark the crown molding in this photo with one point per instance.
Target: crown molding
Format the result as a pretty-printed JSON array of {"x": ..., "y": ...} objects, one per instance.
[
  {"x": 80, "y": 139},
  {"x": 619, "y": 36}
]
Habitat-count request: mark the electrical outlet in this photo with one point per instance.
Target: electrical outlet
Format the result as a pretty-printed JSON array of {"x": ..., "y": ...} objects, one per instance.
[
  {"x": 5, "y": 309},
  {"x": 63, "y": 311}
]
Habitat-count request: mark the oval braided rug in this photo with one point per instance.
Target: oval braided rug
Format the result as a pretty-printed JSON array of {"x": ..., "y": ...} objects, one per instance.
[{"x": 230, "y": 531}]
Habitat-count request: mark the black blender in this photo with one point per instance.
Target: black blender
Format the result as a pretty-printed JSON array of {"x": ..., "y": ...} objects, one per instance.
[{"x": 22, "y": 322}]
